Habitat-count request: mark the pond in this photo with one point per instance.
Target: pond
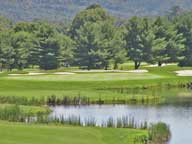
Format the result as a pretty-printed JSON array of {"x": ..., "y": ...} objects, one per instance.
[{"x": 178, "y": 118}]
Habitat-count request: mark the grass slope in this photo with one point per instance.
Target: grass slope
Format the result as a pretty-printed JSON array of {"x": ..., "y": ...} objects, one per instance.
[{"x": 14, "y": 133}]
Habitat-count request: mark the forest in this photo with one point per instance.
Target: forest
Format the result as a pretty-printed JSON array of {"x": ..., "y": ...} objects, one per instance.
[{"x": 97, "y": 40}]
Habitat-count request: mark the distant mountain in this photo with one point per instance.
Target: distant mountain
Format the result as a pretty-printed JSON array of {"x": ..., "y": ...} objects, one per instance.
[{"x": 60, "y": 10}]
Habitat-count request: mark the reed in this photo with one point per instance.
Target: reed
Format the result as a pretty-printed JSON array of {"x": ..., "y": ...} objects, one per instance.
[
  {"x": 159, "y": 133},
  {"x": 12, "y": 113},
  {"x": 22, "y": 100}
]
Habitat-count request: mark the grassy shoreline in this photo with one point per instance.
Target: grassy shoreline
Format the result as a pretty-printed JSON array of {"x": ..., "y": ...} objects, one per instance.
[
  {"x": 31, "y": 93},
  {"x": 98, "y": 86},
  {"x": 18, "y": 133}
]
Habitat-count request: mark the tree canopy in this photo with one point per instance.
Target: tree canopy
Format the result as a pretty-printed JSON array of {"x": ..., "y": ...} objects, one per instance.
[{"x": 96, "y": 40}]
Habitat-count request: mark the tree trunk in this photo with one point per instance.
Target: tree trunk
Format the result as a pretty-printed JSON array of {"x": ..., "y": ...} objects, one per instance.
[
  {"x": 20, "y": 67},
  {"x": 88, "y": 67},
  {"x": 159, "y": 63},
  {"x": 115, "y": 66},
  {"x": 137, "y": 65},
  {"x": 1, "y": 67},
  {"x": 106, "y": 66},
  {"x": 89, "y": 64}
]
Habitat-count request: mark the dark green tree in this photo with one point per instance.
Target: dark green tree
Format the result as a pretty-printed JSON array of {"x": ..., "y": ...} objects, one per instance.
[
  {"x": 168, "y": 44},
  {"x": 94, "y": 13},
  {"x": 66, "y": 50},
  {"x": 23, "y": 43},
  {"x": 89, "y": 51},
  {"x": 161, "y": 29},
  {"x": 47, "y": 45},
  {"x": 133, "y": 40},
  {"x": 184, "y": 26},
  {"x": 7, "y": 52}
]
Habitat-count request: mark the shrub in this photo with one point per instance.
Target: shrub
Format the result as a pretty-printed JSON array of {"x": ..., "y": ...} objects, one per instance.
[{"x": 159, "y": 133}]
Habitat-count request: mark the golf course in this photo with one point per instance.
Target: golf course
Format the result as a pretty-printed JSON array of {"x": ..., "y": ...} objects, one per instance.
[
  {"x": 29, "y": 94},
  {"x": 93, "y": 85},
  {"x": 95, "y": 72}
]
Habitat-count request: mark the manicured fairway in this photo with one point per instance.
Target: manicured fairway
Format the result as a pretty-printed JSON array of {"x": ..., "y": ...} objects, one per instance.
[
  {"x": 13, "y": 133},
  {"x": 92, "y": 85},
  {"x": 88, "y": 77}
]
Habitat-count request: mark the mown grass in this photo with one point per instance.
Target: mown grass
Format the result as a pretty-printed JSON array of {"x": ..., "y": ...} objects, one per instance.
[
  {"x": 105, "y": 86},
  {"x": 16, "y": 133},
  {"x": 88, "y": 77},
  {"x": 92, "y": 85}
]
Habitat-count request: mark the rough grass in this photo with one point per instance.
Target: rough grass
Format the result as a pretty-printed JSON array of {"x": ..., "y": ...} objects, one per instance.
[
  {"x": 15, "y": 133},
  {"x": 29, "y": 110}
]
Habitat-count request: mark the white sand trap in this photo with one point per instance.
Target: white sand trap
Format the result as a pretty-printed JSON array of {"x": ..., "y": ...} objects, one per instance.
[
  {"x": 115, "y": 71},
  {"x": 163, "y": 65},
  {"x": 138, "y": 71},
  {"x": 17, "y": 74},
  {"x": 34, "y": 73},
  {"x": 29, "y": 74},
  {"x": 64, "y": 73},
  {"x": 184, "y": 73}
]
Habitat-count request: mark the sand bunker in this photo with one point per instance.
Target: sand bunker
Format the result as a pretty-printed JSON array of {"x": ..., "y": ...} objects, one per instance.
[
  {"x": 64, "y": 73},
  {"x": 16, "y": 74},
  {"x": 138, "y": 71},
  {"x": 184, "y": 73},
  {"x": 163, "y": 65},
  {"x": 28, "y": 74},
  {"x": 33, "y": 73},
  {"x": 115, "y": 71}
]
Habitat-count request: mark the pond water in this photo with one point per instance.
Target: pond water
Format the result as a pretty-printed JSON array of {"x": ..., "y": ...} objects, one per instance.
[
  {"x": 178, "y": 118},
  {"x": 176, "y": 112}
]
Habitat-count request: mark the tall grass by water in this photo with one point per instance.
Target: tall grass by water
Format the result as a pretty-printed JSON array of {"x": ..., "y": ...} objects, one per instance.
[
  {"x": 159, "y": 133},
  {"x": 16, "y": 113},
  {"x": 78, "y": 100},
  {"x": 122, "y": 122}
]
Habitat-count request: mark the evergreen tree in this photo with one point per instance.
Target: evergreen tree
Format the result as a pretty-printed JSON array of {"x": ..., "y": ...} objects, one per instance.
[
  {"x": 7, "y": 52},
  {"x": 133, "y": 40}
]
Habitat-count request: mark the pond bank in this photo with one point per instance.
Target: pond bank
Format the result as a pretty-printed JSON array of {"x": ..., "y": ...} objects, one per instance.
[{"x": 177, "y": 117}]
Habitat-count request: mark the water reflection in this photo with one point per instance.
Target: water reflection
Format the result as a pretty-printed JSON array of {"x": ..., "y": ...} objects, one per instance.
[{"x": 179, "y": 118}]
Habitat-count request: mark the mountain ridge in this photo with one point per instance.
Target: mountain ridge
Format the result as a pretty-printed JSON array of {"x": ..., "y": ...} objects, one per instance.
[{"x": 61, "y": 10}]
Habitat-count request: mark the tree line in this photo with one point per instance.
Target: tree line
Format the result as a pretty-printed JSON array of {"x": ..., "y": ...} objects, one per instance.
[{"x": 96, "y": 40}]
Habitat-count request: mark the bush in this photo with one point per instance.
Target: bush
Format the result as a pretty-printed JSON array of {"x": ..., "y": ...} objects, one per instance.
[{"x": 159, "y": 133}]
